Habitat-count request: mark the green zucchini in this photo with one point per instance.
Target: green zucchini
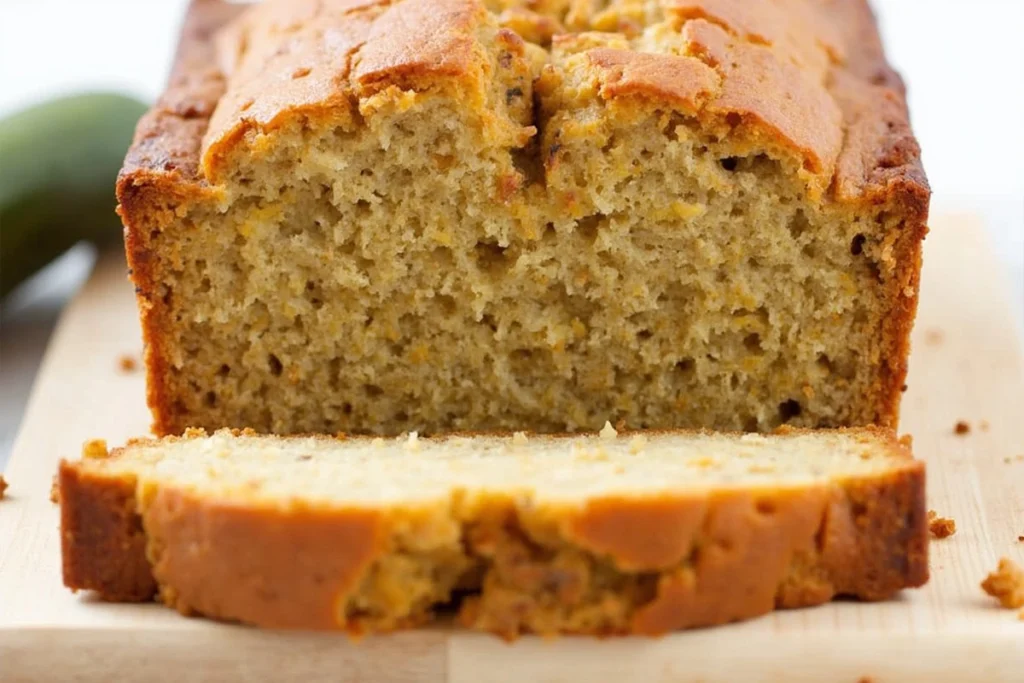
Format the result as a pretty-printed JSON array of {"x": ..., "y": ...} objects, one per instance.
[{"x": 58, "y": 164}]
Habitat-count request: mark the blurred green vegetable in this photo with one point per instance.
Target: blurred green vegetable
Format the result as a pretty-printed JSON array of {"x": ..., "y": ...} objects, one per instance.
[{"x": 58, "y": 165}]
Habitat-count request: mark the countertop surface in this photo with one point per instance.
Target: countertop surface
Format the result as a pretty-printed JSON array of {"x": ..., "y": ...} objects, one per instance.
[{"x": 963, "y": 67}]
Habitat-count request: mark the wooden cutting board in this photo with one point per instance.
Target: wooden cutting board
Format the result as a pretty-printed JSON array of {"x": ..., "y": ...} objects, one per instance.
[{"x": 967, "y": 365}]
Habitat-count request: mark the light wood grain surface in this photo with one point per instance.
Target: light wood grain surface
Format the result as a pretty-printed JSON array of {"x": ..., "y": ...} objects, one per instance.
[{"x": 967, "y": 365}]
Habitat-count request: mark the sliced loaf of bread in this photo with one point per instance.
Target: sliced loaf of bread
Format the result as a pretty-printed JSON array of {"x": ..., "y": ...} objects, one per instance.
[{"x": 600, "y": 534}]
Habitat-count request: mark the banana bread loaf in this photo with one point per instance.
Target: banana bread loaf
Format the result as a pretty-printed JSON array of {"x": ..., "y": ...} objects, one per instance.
[
  {"x": 598, "y": 534},
  {"x": 372, "y": 216}
]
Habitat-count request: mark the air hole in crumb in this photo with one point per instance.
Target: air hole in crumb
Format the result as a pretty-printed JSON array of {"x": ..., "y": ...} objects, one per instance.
[
  {"x": 729, "y": 163},
  {"x": 275, "y": 365},
  {"x": 825, "y": 363},
  {"x": 685, "y": 366},
  {"x": 223, "y": 371},
  {"x": 750, "y": 424},
  {"x": 859, "y": 509},
  {"x": 488, "y": 320},
  {"x": 644, "y": 335},
  {"x": 489, "y": 255},
  {"x": 372, "y": 390},
  {"x": 752, "y": 342},
  {"x": 346, "y": 408},
  {"x": 857, "y": 246},
  {"x": 401, "y": 416},
  {"x": 210, "y": 399},
  {"x": 766, "y": 507},
  {"x": 799, "y": 224},
  {"x": 587, "y": 227},
  {"x": 733, "y": 119},
  {"x": 789, "y": 409}
]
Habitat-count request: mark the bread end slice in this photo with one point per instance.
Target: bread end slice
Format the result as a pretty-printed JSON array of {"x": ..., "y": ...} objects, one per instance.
[{"x": 635, "y": 533}]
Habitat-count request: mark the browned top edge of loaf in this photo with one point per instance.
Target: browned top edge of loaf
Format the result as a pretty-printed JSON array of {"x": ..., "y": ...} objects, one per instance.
[
  {"x": 868, "y": 539},
  {"x": 876, "y": 155}
]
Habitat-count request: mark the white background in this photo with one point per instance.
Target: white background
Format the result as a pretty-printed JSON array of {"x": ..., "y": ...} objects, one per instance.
[{"x": 963, "y": 61}]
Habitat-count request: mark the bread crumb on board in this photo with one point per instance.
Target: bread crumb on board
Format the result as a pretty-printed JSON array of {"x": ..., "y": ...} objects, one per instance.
[
  {"x": 1006, "y": 584},
  {"x": 126, "y": 363},
  {"x": 3, "y": 486},
  {"x": 55, "y": 490},
  {"x": 983, "y": 425},
  {"x": 940, "y": 527},
  {"x": 962, "y": 428}
]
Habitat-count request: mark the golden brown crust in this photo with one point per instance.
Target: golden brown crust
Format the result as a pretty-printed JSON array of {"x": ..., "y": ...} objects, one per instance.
[
  {"x": 277, "y": 568},
  {"x": 710, "y": 557},
  {"x": 745, "y": 550},
  {"x": 684, "y": 82},
  {"x": 102, "y": 540}
]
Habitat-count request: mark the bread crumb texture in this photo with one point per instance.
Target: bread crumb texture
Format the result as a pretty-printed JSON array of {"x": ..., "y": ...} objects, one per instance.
[
  {"x": 1006, "y": 584},
  {"x": 940, "y": 527},
  {"x": 432, "y": 215},
  {"x": 543, "y": 536}
]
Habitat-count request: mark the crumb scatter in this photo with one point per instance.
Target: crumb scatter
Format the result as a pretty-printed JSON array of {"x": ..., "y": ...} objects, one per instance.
[
  {"x": 1006, "y": 584},
  {"x": 126, "y": 363},
  {"x": 962, "y": 428},
  {"x": 940, "y": 527}
]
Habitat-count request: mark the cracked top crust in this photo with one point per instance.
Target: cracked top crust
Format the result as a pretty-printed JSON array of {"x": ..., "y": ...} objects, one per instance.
[{"x": 803, "y": 80}]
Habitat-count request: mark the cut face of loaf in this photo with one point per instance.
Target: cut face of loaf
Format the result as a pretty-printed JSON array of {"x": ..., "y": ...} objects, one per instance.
[
  {"x": 598, "y": 534},
  {"x": 381, "y": 217}
]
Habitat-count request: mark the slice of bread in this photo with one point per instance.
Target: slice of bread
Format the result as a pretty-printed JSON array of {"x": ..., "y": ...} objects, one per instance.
[{"x": 600, "y": 534}]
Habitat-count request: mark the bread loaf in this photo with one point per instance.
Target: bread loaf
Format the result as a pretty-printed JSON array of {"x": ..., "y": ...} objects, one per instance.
[{"x": 377, "y": 217}]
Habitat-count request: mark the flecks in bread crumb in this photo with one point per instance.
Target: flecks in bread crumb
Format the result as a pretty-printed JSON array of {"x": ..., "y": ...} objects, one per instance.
[
  {"x": 608, "y": 432},
  {"x": 940, "y": 527},
  {"x": 1006, "y": 584}
]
